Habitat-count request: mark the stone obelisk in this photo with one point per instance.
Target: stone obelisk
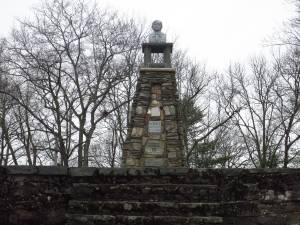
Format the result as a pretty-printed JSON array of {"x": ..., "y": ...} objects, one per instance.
[{"x": 155, "y": 131}]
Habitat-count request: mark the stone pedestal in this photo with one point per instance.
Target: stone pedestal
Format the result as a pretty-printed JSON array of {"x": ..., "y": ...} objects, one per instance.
[
  {"x": 150, "y": 48},
  {"x": 155, "y": 134}
]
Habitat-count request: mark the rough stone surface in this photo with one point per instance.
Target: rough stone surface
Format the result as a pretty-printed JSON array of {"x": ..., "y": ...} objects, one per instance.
[
  {"x": 155, "y": 116},
  {"x": 137, "y": 131},
  {"x": 139, "y": 196},
  {"x": 154, "y": 162}
]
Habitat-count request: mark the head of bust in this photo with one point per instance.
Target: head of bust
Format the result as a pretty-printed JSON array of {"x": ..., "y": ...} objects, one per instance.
[
  {"x": 157, "y": 36},
  {"x": 156, "y": 26}
]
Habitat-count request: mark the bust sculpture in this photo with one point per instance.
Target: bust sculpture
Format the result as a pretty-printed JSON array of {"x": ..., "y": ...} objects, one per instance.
[{"x": 157, "y": 36}]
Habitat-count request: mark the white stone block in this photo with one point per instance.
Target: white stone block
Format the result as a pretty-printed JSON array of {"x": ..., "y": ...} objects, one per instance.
[
  {"x": 139, "y": 110},
  {"x": 155, "y": 111},
  {"x": 137, "y": 132}
]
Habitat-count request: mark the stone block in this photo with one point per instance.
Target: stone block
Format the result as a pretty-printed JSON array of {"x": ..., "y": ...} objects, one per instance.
[
  {"x": 172, "y": 110},
  {"x": 154, "y": 103},
  {"x": 156, "y": 92},
  {"x": 138, "y": 122},
  {"x": 136, "y": 140},
  {"x": 139, "y": 116},
  {"x": 173, "y": 148},
  {"x": 53, "y": 170},
  {"x": 162, "y": 116},
  {"x": 144, "y": 140},
  {"x": 140, "y": 110},
  {"x": 173, "y": 164},
  {"x": 173, "y": 136},
  {"x": 168, "y": 102},
  {"x": 126, "y": 145},
  {"x": 155, "y": 136},
  {"x": 154, "y": 162},
  {"x": 156, "y": 88},
  {"x": 171, "y": 126},
  {"x": 83, "y": 171},
  {"x": 132, "y": 162},
  {"x": 167, "y": 84},
  {"x": 136, "y": 146},
  {"x": 172, "y": 133},
  {"x": 167, "y": 110},
  {"x": 144, "y": 94},
  {"x": 137, "y": 132},
  {"x": 145, "y": 85},
  {"x": 155, "y": 111},
  {"x": 21, "y": 170},
  {"x": 172, "y": 155},
  {"x": 134, "y": 153}
]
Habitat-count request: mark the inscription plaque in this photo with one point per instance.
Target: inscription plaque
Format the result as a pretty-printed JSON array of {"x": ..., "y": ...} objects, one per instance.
[
  {"x": 154, "y": 127},
  {"x": 154, "y": 162},
  {"x": 154, "y": 147}
]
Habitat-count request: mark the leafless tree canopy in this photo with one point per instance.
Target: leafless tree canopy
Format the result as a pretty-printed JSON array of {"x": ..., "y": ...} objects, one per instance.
[
  {"x": 68, "y": 75},
  {"x": 69, "y": 66}
]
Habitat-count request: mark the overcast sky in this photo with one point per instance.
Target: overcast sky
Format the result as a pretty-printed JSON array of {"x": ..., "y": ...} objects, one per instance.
[{"x": 215, "y": 32}]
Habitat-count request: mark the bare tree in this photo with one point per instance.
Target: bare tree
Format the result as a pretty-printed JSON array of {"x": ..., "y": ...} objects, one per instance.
[
  {"x": 7, "y": 151},
  {"x": 257, "y": 122},
  {"x": 117, "y": 122},
  {"x": 292, "y": 31},
  {"x": 200, "y": 122},
  {"x": 70, "y": 56},
  {"x": 288, "y": 105}
]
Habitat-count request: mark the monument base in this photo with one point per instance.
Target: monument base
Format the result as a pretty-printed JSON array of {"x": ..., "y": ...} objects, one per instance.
[{"x": 155, "y": 133}]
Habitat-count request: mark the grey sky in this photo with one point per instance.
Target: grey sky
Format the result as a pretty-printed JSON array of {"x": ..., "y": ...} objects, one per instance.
[{"x": 212, "y": 31}]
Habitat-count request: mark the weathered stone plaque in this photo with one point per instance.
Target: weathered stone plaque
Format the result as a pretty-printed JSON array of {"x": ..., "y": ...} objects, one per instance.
[
  {"x": 154, "y": 147},
  {"x": 154, "y": 162},
  {"x": 154, "y": 126}
]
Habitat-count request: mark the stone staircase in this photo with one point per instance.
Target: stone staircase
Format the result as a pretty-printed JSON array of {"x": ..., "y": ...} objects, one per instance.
[{"x": 176, "y": 197}]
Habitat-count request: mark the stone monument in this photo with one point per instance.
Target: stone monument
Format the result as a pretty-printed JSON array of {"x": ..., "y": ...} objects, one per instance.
[{"x": 154, "y": 136}]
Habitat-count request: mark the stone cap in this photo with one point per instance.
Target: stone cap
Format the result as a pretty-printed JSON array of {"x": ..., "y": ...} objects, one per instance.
[
  {"x": 151, "y": 69},
  {"x": 139, "y": 171}
]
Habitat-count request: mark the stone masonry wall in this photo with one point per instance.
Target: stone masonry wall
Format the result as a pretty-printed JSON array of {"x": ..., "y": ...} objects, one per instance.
[
  {"x": 155, "y": 131},
  {"x": 40, "y": 195}
]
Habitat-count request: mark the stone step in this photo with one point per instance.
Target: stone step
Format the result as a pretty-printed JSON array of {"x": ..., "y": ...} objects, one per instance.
[
  {"x": 274, "y": 219},
  {"x": 136, "y": 208},
  {"x": 148, "y": 175},
  {"x": 79, "y": 219},
  {"x": 146, "y": 192}
]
